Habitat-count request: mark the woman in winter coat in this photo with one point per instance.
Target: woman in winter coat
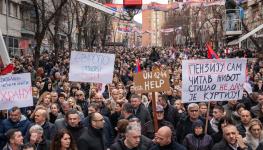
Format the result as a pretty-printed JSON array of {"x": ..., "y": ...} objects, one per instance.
[
  {"x": 254, "y": 134},
  {"x": 198, "y": 140}
]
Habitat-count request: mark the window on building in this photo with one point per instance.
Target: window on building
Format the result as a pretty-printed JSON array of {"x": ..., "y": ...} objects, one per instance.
[
  {"x": 15, "y": 10},
  {"x": 1, "y": 6}
]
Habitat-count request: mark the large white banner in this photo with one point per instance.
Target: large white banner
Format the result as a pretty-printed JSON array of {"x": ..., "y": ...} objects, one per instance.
[
  {"x": 213, "y": 79},
  {"x": 91, "y": 67},
  {"x": 15, "y": 90}
]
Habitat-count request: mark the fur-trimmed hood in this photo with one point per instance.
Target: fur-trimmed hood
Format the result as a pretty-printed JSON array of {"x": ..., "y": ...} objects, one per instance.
[{"x": 252, "y": 141}]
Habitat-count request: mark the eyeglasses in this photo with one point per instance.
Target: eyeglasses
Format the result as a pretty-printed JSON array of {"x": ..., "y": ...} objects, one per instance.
[
  {"x": 79, "y": 94},
  {"x": 194, "y": 110}
]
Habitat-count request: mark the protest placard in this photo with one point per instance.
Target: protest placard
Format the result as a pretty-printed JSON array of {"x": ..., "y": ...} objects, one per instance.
[
  {"x": 15, "y": 90},
  {"x": 213, "y": 79},
  {"x": 91, "y": 67},
  {"x": 155, "y": 81}
]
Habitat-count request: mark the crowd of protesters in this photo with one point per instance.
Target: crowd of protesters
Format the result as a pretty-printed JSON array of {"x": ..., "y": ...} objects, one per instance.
[{"x": 80, "y": 116}]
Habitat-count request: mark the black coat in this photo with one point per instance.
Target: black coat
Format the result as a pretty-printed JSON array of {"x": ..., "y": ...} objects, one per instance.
[
  {"x": 143, "y": 114},
  {"x": 92, "y": 139},
  {"x": 148, "y": 128},
  {"x": 242, "y": 130},
  {"x": 49, "y": 130},
  {"x": 76, "y": 131},
  {"x": 172, "y": 146},
  {"x": 107, "y": 130},
  {"x": 44, "y": 145},
  {"x": 260, "y": 146},
  {"x": 185, "y": 126},
  {"x": 145, "y": 144},
  {"x": 222, "y": 145},
  {"x": 171, "y": 115},
  {"x": 201, "y": 142}
]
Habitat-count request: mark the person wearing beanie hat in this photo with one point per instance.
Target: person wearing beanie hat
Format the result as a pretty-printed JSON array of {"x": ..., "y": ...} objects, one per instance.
[
  {"x": 254, "y": 135},
  {"x": 198, "y": 140}
]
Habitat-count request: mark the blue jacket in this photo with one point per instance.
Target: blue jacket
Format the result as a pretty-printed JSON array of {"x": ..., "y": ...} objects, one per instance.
[{"x": 22, "y": 125}]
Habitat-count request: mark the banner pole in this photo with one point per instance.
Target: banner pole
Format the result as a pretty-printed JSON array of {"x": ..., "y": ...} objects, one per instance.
[
  {"x": 207, "y": 116},
  {"x": 154, "y": 112}
]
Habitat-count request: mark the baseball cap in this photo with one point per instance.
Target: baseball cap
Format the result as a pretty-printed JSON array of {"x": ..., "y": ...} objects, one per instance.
[{"x": 159, "y": 108}]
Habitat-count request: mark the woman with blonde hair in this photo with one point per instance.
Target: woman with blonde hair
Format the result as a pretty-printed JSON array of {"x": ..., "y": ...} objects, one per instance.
[
  {"x": 45, "y": 100},
  {"x": 73, "y": 104},
  {"x": 254, "y": 134}
]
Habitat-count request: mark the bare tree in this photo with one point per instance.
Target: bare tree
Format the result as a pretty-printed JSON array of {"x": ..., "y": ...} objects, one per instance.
[{"x": 44, "y": 16}]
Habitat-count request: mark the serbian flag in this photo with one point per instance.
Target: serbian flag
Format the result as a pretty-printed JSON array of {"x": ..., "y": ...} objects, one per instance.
[
  {"x": 5, "y": 59},
  {"x": 138, "y": 66},
  {"x": 210, "y": 52}
]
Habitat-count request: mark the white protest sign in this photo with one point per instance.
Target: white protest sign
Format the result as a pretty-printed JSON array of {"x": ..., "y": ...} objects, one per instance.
[
  {"x": 15, "y": 90},
  {"x": 91, "y": 67},
  {"x": 213, "y": 79}
]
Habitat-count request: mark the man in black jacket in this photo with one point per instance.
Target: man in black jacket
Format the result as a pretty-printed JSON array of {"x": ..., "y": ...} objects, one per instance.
[
  {"x": 170, "y": 113},
  {"x": 40, "y": 118},
  {"x": 245, "y": 119},
  {"x": 164, "y": 140},
  {"x": 148, "y": 128},
  {"x": 232, "y": 140},
  {"x": 139, "y": 109},
  {"x": 94, "y": 138},
  {"x": 73, "y": 124},
  {"x": 133, "y": 139},
  {"x": 107, "y": 128}
]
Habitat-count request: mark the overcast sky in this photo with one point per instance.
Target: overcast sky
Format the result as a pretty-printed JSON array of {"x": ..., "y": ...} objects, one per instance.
[{"x": 138, "y": 17}]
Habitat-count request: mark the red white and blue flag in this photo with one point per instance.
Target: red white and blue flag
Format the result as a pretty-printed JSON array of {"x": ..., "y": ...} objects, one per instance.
[
  {"x": 210, "y": 52},
  {"x": 138, "y": 66}
]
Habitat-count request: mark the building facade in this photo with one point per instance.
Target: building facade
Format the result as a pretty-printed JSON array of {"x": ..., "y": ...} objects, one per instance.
[{"x": 152, "y": 23}]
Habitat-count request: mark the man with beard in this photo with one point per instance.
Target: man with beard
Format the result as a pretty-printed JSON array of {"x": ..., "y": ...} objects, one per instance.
[
  {"x": 93, "y": 138},
  {"x": 107, "y": 128}
]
